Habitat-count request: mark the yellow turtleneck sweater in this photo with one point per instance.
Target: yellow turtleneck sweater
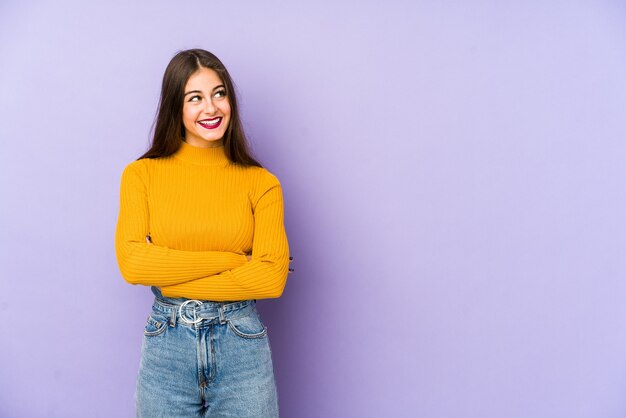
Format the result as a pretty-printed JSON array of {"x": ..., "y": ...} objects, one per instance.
[{"x": 203, "y": 215}]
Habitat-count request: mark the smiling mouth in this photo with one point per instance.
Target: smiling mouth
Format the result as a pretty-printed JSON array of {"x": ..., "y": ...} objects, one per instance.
[{"x": 210, "y": 123}]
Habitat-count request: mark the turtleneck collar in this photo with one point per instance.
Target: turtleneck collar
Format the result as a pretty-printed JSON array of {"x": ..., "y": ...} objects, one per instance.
[{"x": 215, "y": 156}]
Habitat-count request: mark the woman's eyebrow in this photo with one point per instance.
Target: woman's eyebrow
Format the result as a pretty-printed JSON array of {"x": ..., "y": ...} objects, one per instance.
[{"x": 198, "y": 91}]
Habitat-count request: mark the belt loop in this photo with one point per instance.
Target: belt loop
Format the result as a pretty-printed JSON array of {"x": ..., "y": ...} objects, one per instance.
[
  {"x": 173, "y": 317},
  {"x": 220, "y": 311}
]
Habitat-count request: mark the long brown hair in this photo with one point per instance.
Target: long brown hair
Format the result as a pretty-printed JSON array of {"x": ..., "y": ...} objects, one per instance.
[{"x": 169, "y": 128}]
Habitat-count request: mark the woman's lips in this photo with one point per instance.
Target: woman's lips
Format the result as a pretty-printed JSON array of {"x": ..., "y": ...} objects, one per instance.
[{"x": 210, "y": 123}]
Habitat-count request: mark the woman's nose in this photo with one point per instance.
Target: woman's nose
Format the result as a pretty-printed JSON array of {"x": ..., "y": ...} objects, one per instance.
[{"x": 209, "y": 107}]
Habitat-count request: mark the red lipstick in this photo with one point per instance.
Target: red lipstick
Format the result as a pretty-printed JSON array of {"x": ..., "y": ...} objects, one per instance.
[{"x": 210, "y": 123}]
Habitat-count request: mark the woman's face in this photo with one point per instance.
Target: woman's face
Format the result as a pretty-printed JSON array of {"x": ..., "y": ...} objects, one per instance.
[{"x": 206, "y": 109}]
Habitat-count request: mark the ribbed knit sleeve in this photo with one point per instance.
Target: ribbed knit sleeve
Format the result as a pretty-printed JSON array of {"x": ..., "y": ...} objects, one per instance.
[
  {"x": 150, "y": 264},
  {"x": 265, "y": 275}
]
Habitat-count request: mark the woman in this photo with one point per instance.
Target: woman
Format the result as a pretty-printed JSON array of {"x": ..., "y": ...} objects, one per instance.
[{"x": 201, "y": 222}]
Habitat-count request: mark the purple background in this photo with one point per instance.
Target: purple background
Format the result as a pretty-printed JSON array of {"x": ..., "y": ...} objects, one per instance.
[{"x": 454, "y": 180}]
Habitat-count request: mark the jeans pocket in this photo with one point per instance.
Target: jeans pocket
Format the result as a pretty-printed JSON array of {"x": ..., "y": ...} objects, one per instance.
[
  {"x": 155, "y": 325},
  {"x": 248, "y": 326}
]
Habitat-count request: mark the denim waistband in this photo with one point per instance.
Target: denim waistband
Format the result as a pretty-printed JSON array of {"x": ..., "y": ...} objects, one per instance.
[{"x": 199, "y": 309}]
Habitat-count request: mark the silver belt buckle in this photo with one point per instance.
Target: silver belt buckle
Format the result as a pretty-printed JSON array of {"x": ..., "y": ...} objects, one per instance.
[{"x": 182, "y": 315}]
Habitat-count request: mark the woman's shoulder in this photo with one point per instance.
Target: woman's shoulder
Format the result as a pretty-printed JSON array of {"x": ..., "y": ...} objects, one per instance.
[
  {"x": 137, "y": 166},
  {"x": 262, "y": 175},
  {"x": 259, "y": 181},
  {"x": 136, "y": 170}
]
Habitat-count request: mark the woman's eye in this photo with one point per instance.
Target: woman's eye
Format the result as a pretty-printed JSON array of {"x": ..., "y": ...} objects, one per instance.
[
  {"x": 222, "y": 93},
  {"x": 195, "y": 98}
]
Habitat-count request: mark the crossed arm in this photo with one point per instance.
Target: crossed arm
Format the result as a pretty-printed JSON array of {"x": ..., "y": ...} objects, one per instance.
[{"x": 211, "y": 275}]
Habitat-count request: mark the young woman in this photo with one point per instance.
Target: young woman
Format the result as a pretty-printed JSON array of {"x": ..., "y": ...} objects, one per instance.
[{"x": 201, "y": 222}]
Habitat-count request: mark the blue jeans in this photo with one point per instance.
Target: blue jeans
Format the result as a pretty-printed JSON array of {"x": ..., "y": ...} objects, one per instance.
[{"x": 208, "y": 359}]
